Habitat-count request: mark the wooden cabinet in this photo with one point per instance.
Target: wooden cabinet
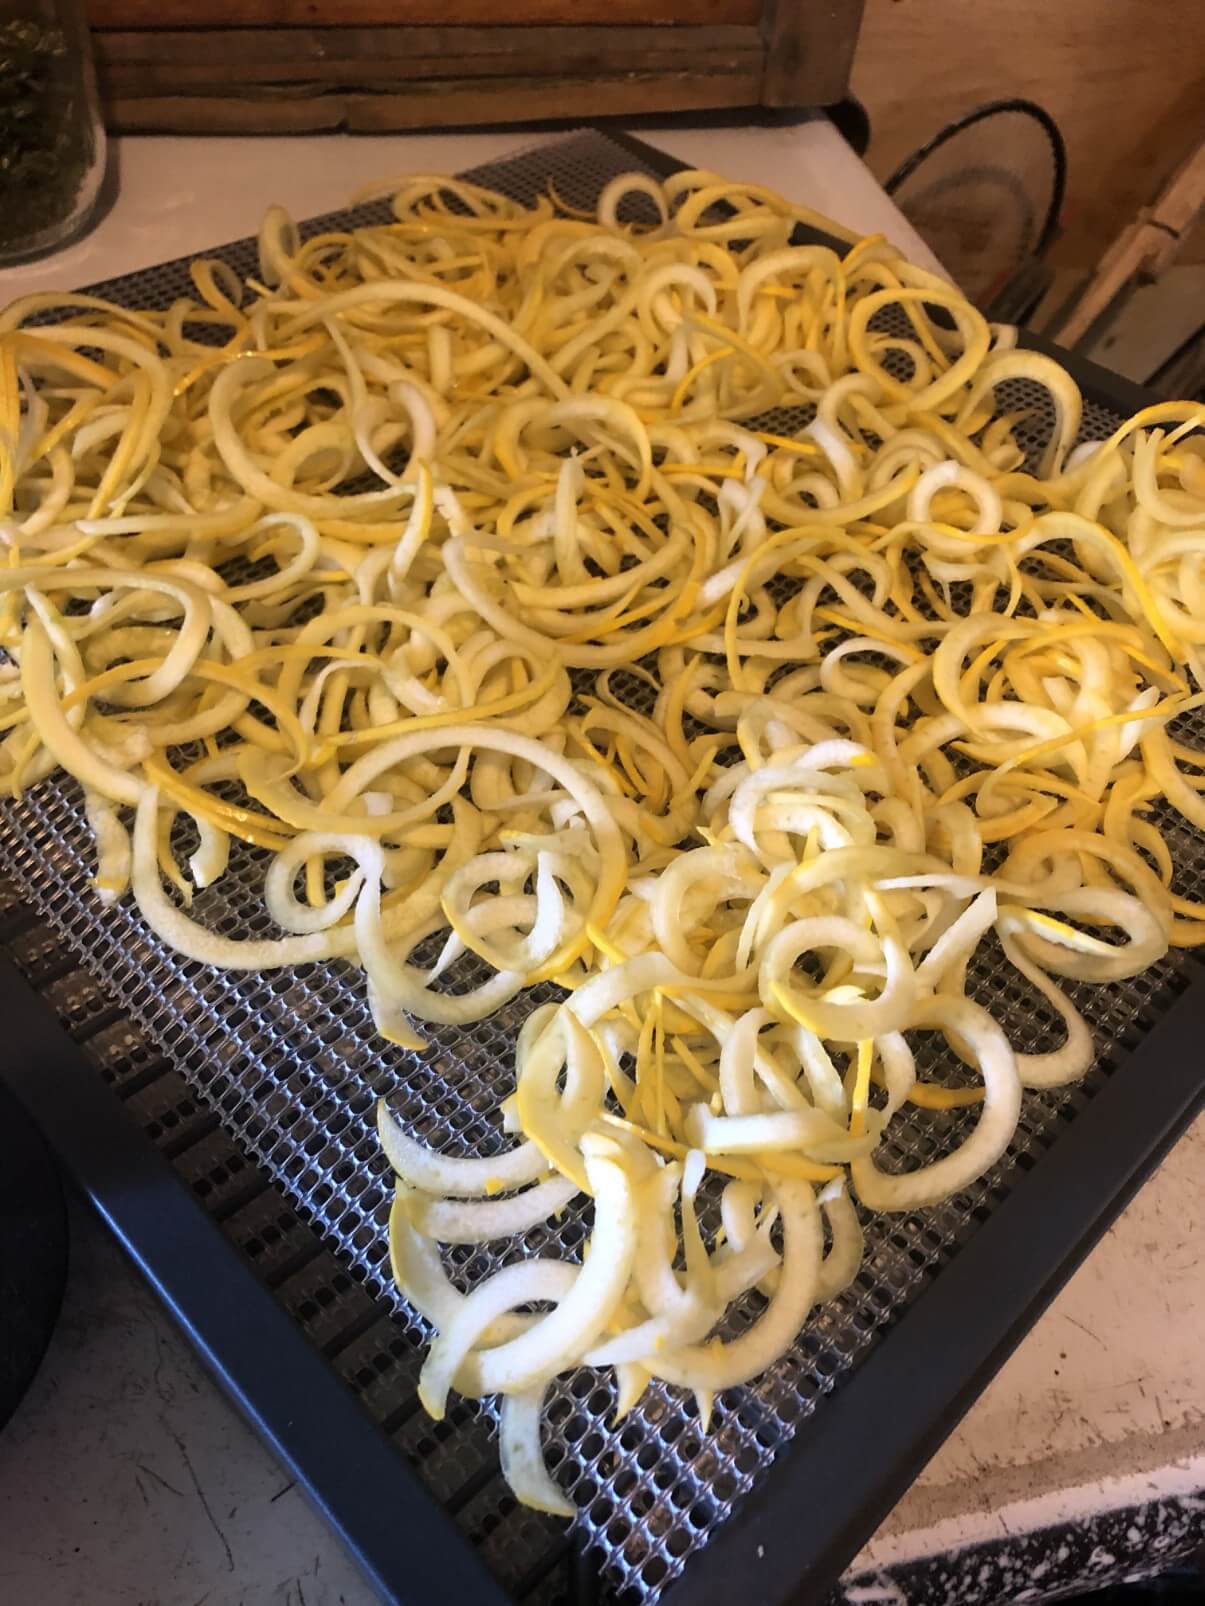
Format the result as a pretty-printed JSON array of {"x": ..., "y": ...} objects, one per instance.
[{"x": 217, "y": 66}]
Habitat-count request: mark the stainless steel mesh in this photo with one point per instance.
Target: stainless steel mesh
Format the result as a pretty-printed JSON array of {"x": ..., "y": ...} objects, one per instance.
[{"x": 262, "y": 1090}]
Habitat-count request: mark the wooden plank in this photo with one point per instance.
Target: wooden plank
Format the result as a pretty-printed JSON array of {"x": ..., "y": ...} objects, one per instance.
[
  {"x": 1124, "y": 79},
  {"x": 809, "y": 47},
  {"x": 288, "y": 45},
  {"x": 221, "y": 74},
  {"x": 145, "y": 64},
  {"x": 1145, "y": 248},
  {"x": 516, "y": 101},
  {"x": 312, "y": 13},
  {"x": 433, "y": 104}
]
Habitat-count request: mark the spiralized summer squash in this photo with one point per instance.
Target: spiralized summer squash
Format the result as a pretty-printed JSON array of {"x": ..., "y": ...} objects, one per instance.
[{"x": 461, "y": 566}]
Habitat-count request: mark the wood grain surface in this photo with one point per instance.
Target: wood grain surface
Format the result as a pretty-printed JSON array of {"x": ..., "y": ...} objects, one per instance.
[
  {"x": 189, "y": 60},
  {"x": 504, "y": 46},
  {"x": 443, "y": 102},
  {"x": 316, "y": 13},
  {"x": 1124, "y": 78},
  {"x": 408, "y": 72}
]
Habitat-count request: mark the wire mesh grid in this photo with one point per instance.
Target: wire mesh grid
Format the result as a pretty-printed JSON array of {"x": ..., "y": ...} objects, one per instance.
[{"x": 276, "y": 1076}]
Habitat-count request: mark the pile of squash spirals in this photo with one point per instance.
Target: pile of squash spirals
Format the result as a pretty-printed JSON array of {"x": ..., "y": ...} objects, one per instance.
[{"x": 450, "y": 563}]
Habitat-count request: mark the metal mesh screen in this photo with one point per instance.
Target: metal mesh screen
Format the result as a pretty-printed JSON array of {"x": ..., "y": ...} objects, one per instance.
[{"x": 262, "y": 1090}]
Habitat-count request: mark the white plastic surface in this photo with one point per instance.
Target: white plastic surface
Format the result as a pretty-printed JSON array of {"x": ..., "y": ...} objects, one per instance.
[{"x": 181, "y": 195}]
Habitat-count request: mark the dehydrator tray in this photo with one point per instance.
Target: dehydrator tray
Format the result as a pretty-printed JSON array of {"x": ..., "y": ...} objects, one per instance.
[{"x": 224, "y": 1125}]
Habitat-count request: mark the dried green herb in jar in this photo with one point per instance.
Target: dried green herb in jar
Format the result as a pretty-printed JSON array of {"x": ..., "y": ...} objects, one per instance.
[{"x": 45, "y": 134}]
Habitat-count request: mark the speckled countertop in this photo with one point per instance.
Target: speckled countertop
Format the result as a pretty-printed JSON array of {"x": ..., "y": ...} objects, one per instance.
[
  {"x": 127, "y": 1480},
  {"x": 1084, "y": 1459}
]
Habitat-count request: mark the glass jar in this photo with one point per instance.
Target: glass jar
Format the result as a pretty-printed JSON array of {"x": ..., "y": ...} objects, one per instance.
[{"x": 52, "y": 139}]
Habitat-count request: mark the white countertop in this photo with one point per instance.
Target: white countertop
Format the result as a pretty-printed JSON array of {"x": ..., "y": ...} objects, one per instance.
[
  {"x": 180, "y": 195},
  {"x": 125, "y": 1478}
]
